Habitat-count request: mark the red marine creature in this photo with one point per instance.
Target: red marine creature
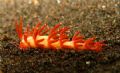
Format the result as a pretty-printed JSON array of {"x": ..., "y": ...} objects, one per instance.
[{"x": 57, "y": 38}]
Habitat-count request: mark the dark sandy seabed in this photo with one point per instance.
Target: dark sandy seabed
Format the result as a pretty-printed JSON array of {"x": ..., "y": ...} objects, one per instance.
[{"x": 100, "y": 18}]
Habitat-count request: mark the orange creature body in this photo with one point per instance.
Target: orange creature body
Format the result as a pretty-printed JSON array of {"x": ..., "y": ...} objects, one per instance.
[{"x": 57, "y": 38}]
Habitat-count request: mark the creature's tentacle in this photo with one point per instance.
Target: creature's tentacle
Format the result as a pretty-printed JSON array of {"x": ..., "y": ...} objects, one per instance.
[
  {"x": 40, "y": 31},
  {"x": 54, "y": 32},
  {"x": 46, "y": 30},
  {"x": 89, "y": 43},
  {"x": 78, "y": 40},
  {"x": 19, "y": 28},
  {"x": 77, "y": 37},
  {"x": 26, "y": 34},
  {"x": 53, "y": 35},
  {"x": 35, "y": 30},
  {"x": 55, "y": 28},
  {"x": 63, "y": 37},
  {"x": 28, "y": 29}
]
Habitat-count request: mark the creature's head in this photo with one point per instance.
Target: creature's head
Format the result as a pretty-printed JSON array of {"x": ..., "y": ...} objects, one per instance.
[
  {"x": 24, "y": 38},
  {"x": 23, "y": 44},
  {"x": 27, "y": 42}
]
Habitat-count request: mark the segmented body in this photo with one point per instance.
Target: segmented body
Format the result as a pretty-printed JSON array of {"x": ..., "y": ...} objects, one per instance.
[{"x": 56, "y": 38}]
